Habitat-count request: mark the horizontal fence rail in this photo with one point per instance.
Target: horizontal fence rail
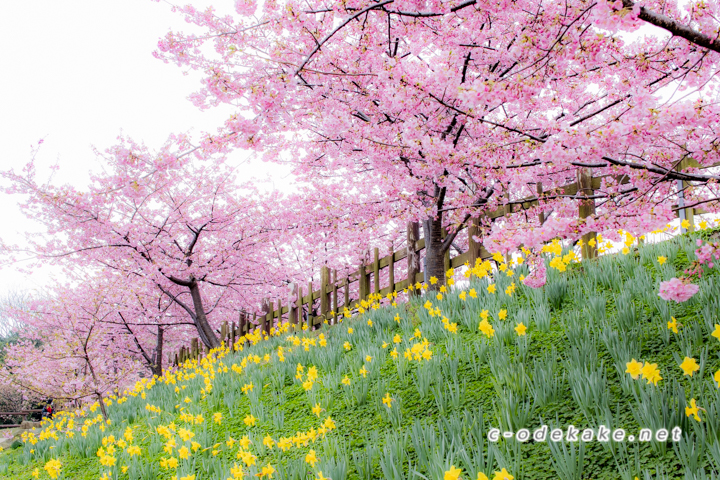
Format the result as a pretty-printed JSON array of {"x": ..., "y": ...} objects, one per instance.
[{"x": 334, "y": 294}]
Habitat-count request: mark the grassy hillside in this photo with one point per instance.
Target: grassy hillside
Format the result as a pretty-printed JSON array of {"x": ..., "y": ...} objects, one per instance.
[{"x": 296, "y": 405}]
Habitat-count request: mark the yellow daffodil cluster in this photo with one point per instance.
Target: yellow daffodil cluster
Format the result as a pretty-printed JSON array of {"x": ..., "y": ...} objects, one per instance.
[
  {"x": 486, "y": 328},
  {"x": 418, "y": 288},
  {"x": 649, "y": 371},
  {"x": 561, "y": 262},
  {"x": 419, "y": 351},
  {"x": 450, "y": 327},
  {"x": 312, "y": 376},
  {"x": 481, "y": 268},
  {"x": 178, "y": 441},
  {"x": 454, "y": 474},
  {"x": 106, "y": 453},
  {"x": 432, "y": 311},
  {"x": 629, "y": 240},
  {"x": 28, "y": 437},
  {"x": 52, "y": 467}
]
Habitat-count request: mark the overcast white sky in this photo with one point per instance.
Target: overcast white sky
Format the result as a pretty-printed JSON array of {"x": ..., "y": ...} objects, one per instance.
[{"x": 78, "y": 73}]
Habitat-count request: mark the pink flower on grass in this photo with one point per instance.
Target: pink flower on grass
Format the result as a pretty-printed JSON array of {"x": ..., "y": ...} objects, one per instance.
[{"x": 675, "y": 289}]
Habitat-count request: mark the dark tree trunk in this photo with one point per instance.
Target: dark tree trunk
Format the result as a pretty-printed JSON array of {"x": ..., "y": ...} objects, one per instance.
[
  {"x": 158, "y": 355},
  {"x": 435, "y": 250},
  {"x": 201, "y": 322},
  {"x": 413, "y": 259}
]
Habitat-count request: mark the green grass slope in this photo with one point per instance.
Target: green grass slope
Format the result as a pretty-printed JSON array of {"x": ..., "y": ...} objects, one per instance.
[{"x": 316, "y": 398}]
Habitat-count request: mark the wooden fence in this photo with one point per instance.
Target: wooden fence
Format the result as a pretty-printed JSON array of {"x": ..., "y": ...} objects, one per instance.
[
  {"x": 334, "y": 294},
  {"x": 21, "y": 413}
]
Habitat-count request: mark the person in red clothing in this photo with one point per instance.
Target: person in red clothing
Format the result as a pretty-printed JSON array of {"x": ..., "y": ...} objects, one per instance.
[{"x": 48, "y": 409}]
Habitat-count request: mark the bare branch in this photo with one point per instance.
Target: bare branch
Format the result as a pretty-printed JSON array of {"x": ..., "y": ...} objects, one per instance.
[{"x": 676, "y": 28}]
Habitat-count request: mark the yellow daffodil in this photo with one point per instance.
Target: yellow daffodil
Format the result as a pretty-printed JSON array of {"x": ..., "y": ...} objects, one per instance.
[
  {"x": 716, "y": 332},
  {"x": 311, "y": 458},
  {"x": 689, "y": 366},
  {"x": 503, "y": 475},
  {"x": 634, "y": 368},
  {"x": 693, "y": 410},
  {"x": 651, "y": 373},
  {"x": 452, "y": 474}
]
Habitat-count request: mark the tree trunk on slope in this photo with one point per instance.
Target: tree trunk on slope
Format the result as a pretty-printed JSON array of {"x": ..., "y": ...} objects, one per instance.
[
  {"x": 158, "y": 355},
  {"x": 434, "y": 252},
  {"x": 201, "y": 322}
]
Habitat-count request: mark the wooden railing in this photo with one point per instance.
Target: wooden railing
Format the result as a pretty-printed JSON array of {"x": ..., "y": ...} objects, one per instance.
[
  {"x": 334, "y": 294},
  {"x": 22, "y": 413}
]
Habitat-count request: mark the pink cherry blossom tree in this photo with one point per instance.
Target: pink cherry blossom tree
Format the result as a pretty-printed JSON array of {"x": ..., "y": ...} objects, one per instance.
[
  {"x": 175, "y": 228},
  {"x": 67, "y": 350},
  {"x": 439, "y": 111}
]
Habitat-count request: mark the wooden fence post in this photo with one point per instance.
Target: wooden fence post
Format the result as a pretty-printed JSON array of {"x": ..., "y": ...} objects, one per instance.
[
  {"x": 324, "y": 292},
  {"x": 446, "y": 256},
  {"x": 293, "y": 305},
  {"x": 334, "y": 297},
  {"x": 391, "y": 270},
  {"x": 587, "y": 208},
  {"x": 224, "y": 333},
  {"x": 363, "y": 286},
  {"x": 346, "y": 304},
  {"x": 310, "y": 319},
  {"x": 507, "y": 212},
  {"x": 299, "y": 307},
  {"x": 376, "y": 271},
  {"x": 279, "y": 315},
  {"x": 243, "y": 323},
  {"x": 264, "y": 307},
  {"x": 269, "y": 318},
  {"x": 413, "y": 258},
  {"x": 194, "y": 348}
]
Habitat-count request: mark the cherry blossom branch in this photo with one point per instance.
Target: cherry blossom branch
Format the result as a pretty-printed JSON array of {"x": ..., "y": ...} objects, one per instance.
[
  {"x": 337, "y": 29},
  {"x": 664, "y": 171},
  {"x": 674, "y": 27}
]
